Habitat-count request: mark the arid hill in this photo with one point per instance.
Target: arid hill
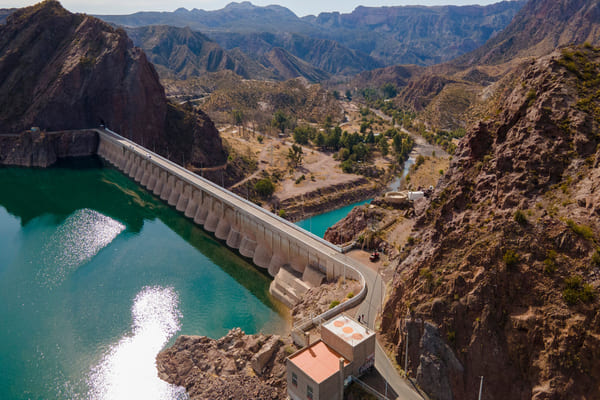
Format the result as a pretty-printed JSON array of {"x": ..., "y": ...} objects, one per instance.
[
  {"x": 503, "y": 278},
  {"x": 72, "y": 71}
]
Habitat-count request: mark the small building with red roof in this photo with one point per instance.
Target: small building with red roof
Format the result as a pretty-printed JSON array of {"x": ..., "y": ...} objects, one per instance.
[{"x": 319, "y": 370}]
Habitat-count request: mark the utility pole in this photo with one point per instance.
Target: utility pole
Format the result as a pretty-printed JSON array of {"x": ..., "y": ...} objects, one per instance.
[
  {"x": 406, "y": 351},
  {"x": 480, "y": 387}
]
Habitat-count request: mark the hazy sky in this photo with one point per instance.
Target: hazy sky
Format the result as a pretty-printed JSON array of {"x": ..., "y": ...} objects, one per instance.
[{"x": 300, "y": 7}]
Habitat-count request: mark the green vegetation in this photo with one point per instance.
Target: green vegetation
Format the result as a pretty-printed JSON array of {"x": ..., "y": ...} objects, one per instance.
[
  {"x": 333, "y": 304},
  {"x": 295, "y": 157},
  {"x": 531, "y": 96},
  {"x": 264, "y": 187},
  {"x": 596, "y": 258},
  {"x": 520, "y": 217},
  {"x": 350, "y": 295},
  {"x": 576, "y": 291},
  {"x": 281, "y": 121},
  {"x": 442, "y": 138},
  {"x": 510, "y": 258},
  {"x": 582, "y": 230},
  {"x": 550, "y": 262},
  {"x": 579, "y": 62},
  {"x": 282, "y": 213}
]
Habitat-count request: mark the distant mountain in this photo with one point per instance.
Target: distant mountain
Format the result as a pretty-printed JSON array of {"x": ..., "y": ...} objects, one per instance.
[
  {"x": 390, "y": 35},
  {"x": 416, "y": 34},
  {"x": 539, "y": 28},
  {"x": 235, "y": 17},
  {"x": 327, "y": 55},
  {"x": 71, "y": 71},
  {"x": 183, "y": 53},
  {"x": 289, "y": 66}
]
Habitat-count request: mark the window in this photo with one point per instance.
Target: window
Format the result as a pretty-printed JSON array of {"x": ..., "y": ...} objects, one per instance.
[
  {"x": 309, "y": 392},
  {"x": 294, "y": 379}
]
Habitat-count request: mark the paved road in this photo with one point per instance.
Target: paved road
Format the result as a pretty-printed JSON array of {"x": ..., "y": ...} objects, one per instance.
[{"x": 370, "y": 308}]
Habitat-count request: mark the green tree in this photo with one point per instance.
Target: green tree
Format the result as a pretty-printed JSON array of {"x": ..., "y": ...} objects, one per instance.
[
  {"x": 295, "y": 156},
  {"x": 264, "y": 187},
  {"x": 348, "y": 94},
  {"x": 384, "y": 147},
  {"x": 389, "y": 90},
  {"x": 280, "y": 120}
]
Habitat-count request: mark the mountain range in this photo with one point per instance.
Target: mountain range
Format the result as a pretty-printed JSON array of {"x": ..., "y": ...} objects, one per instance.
[{"x": 332, "y": 43}]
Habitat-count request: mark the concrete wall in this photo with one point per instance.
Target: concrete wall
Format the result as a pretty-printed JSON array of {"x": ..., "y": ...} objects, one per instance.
[
  {"x": 329, "y": 389},
  {"x": 259, "y": 235}
]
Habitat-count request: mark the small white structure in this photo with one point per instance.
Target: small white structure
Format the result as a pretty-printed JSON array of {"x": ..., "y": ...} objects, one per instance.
[{"x": 415, "y": 195}]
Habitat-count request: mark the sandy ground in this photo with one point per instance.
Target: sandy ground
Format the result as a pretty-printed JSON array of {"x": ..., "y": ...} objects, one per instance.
[{"x": 319, "y": 169}]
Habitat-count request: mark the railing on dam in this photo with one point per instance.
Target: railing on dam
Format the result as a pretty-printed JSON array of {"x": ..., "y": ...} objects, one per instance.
[
  {"x": 329, "y": 257},
  {"x": 177, "y": 167}
]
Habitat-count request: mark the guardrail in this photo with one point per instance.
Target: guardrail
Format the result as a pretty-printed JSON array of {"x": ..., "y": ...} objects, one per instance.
[{"x": 179, "y": 168}]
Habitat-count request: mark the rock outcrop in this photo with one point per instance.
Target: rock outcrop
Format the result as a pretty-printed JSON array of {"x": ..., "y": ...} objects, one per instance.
[
  {"x": 72, "y": 71},
  {"x": 506, "y": 260},
  {"x": 237, "y": 366},
  {"x": 41, "y": 149}
]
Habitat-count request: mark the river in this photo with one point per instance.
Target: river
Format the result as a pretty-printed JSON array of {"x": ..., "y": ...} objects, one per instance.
[
  {"x": 318, "y": 224},
  {"x": 97, "y": 276}
]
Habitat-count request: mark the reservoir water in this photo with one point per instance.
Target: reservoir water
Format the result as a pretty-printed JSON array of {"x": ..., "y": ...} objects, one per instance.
[
  {"x": 97, "y": 276},
  {"x": 318, "y": 224}
]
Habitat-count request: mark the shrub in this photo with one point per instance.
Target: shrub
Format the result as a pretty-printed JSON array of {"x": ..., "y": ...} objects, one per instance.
[
  {"x": 510, "y": 258},
  {"x": 410, "y": 241},
  {"x": 300, "y": 179},
  {"x": 582, "y": 230},
  {"x": 520, "y": 217},
  {"x": 282, "y": 213},
  {"x": 264, "y": 187},
  {"x": 260, "y": 138},
  {"x": 426, "y": 274},
  {"x": 549, "y": 266},
  {"x": 575, "y": 291},
  {"x": 596, "y": 258},
  {"x": 451, "y": 336},
  {"x": 333, "y": 304},
  {"x": 350, "y": 295}
]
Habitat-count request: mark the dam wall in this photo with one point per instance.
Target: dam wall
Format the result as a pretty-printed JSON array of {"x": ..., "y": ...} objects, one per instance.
[{"x": 296, "y": 259}]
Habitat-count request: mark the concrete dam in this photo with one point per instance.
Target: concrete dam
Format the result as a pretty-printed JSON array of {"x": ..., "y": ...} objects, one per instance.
[{"x": 295, "y": 258}]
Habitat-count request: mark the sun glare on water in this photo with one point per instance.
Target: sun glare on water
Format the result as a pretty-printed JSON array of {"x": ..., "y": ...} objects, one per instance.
[
  {"x": 76, "y": 241},
  {"x": 128, "y": 370}
]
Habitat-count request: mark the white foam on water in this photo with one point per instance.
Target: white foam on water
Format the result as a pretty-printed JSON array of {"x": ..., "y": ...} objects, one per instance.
[
  {"x": 76, "y": 241},
  {"x": 128, "y": 369}
]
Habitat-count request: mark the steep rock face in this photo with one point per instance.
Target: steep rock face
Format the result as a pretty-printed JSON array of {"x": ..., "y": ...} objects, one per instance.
[
  {"x": 540, "y": 27},
  {"x": 39, "y": 149},
  {"x": 506, "y": 263},
  {"x": 72, "y": 71}
]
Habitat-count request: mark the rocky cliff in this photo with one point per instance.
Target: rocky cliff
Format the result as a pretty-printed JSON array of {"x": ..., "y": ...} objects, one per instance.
[
  {"x": 540, "y": 27},
  {"x": 503, "y": 278},
  {"x": 72, "y": 71},
  {"x": 236, "y": 366},
  {"x": 41, "y": 149}
]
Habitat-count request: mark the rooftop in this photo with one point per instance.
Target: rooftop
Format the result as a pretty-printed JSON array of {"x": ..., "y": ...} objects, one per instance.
[
  {"x": 348, "y": 329},
  {"x": 318, "y": 361}
]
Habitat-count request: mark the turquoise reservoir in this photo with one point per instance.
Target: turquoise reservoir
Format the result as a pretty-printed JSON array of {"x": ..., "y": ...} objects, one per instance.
[
  {"x": 318, "y": 224},
  {"x": 97, "y": 276}
]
